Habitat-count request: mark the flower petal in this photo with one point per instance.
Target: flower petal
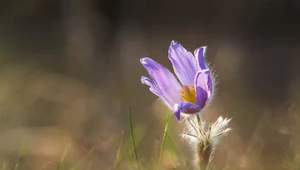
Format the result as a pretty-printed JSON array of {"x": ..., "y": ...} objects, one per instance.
[
  {"x": 184, "y": 63},
  {"x": 153, "y": 87},
  {"x": 185, "y": 107},
  {"x": 202, "y": 87},
  {"x": 199, "y": 54},
  {"x": 166, "y": 85}
]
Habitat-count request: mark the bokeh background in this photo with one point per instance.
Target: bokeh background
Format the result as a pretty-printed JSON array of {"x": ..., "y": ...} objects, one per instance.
[{"x": 69, "y": 70}]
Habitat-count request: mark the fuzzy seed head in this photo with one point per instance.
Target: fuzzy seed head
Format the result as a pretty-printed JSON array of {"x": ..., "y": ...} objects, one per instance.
[{"x": 202, "y": 138}]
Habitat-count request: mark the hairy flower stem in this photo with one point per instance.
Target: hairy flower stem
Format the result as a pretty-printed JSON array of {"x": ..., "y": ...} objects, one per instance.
[
  {"x": 204, "y": 153},
  {"x": 204, "y": 150},
  {"x": 202, "y": 167}
]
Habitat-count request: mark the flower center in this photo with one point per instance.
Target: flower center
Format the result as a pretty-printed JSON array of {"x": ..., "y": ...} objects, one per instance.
[{"x": 188, "y": 94}]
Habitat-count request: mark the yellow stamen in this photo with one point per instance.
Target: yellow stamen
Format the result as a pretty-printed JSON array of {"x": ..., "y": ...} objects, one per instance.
[{"x": 188, "y": 94}]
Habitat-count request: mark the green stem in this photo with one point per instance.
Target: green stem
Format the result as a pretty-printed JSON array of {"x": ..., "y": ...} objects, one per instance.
[
  {"x": 132, "y": 138},
  {"x": 202, "y": 166},
  {"x": 164, "y": 139}
]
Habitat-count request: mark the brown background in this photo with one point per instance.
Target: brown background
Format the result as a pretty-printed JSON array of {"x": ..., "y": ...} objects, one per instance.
[{"x": 74, "y": 65}]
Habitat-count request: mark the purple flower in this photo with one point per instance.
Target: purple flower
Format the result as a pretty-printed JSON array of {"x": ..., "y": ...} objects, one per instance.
[{"x": 191, "y": 93}]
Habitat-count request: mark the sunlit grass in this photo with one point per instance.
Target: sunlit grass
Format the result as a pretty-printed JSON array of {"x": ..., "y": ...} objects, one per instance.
[
  {"x": 126, "y": 155},
  {"x": 118, "y": 155},
  {"x": 164, "y": 139},
  {"x": 132, "y": 139}
]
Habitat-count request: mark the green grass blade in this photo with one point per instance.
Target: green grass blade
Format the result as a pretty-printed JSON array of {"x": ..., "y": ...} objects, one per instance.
[
  {"x": 130, "y": 161},
  {"x": 139, "y": 133},
  {"x": 63, "y": 156},
  {"x": 175, "y": 153},
  {"x": 164, "y": 139},
  {"x": 19, "y": 155},
  {"x": 86, "y": 157},
  {"x": 132, "y": 138},
  {"x": 116, "y": 164},
  {"x": 64, "y": 147}
]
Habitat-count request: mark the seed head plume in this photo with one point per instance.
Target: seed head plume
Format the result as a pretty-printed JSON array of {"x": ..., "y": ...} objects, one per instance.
[{"x": 203, "y": 139}]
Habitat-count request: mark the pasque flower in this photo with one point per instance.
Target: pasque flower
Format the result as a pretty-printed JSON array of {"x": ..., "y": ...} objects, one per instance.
[{"x": 191, "y": 93}]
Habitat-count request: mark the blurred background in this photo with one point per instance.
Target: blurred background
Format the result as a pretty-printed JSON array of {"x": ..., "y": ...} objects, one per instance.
[{"x": 69, "y": 70}]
